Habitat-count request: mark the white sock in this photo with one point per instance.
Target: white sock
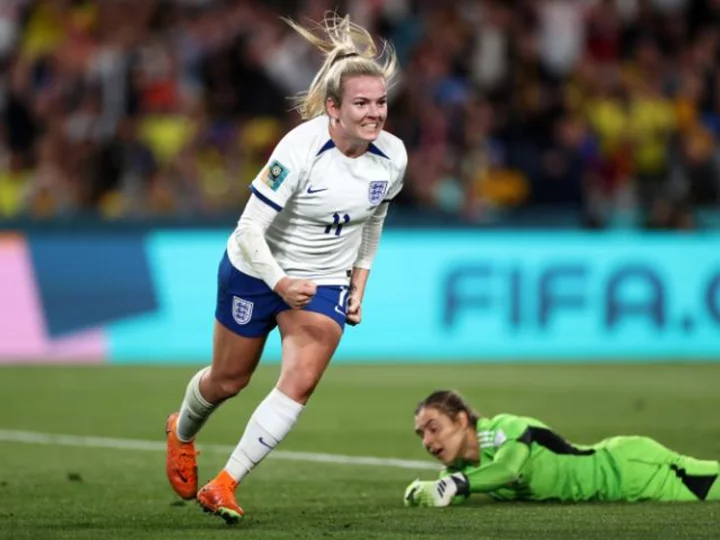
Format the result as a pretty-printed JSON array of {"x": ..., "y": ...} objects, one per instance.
[
  {"x": 194, "y": 410},
  {"x": 269, "y": 424}
]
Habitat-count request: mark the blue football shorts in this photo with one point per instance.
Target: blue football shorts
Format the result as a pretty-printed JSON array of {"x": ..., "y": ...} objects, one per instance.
[{"x": 248, "y": 307}]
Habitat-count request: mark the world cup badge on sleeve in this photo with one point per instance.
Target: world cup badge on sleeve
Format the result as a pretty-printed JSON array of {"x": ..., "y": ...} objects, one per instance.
[
  {"x": 241, "y": 310},
  {"x": 274, "y": 175},
  {"x": 376, "y": 191}
]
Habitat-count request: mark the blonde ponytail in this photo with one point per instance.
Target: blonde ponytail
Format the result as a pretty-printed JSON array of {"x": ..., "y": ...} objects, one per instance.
[{"x": 349, "y": 50}]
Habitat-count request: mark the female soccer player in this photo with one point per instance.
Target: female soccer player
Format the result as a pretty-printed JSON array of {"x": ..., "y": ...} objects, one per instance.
[
  {"x": 517, "y": 458},
  {"x": 299, "y": 258}
]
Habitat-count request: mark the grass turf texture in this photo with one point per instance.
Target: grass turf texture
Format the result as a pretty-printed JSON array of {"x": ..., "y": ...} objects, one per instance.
[{"x": 54, "y": 492}]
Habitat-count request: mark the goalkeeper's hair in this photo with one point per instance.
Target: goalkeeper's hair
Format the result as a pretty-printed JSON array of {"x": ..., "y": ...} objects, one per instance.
[
  {"x": 349, "y": 50},
  {"x": 450, "y": 403}
]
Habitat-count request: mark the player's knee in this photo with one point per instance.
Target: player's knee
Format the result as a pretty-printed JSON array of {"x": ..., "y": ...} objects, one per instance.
[
  {"x": 225, "y": 386},
  {"x": 232, "y": 387},
  {"x": 298, "y": 385}
]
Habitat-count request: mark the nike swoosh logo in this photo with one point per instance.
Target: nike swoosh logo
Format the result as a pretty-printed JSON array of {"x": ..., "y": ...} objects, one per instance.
[
  {"x": 311, "y": 191},
  {"x": 266, "y": 445}
]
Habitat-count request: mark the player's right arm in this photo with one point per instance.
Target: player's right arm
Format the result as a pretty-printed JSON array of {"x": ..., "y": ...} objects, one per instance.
[
  {"x": 509, "y": 435},
  {"x": 456, "y": 485},
  {"x": 271, "y": 190},
  {"x": 503, "y": 471}
]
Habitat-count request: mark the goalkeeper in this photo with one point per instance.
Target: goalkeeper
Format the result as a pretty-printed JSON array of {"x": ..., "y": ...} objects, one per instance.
[{"x": 518, "y": 458}]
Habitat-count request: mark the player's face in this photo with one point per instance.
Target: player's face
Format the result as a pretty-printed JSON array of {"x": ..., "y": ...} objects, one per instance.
[
  {"x": 364, "y": 107},
  {"x": 443, "y": 437}
]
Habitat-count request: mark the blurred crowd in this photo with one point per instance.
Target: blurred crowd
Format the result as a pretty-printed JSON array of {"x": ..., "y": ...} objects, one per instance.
[{"x": 167, "y": 108}]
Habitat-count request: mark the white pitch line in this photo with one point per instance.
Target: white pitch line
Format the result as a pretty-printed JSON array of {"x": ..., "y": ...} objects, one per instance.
[{"x": 32, "y": 437}]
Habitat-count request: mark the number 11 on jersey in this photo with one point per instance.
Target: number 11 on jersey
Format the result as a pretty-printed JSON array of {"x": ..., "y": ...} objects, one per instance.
[{"x": 336, "y": 224}]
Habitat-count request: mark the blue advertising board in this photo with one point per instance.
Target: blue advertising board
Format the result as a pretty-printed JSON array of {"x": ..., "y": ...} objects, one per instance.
[{"x": 437, "y": 296}]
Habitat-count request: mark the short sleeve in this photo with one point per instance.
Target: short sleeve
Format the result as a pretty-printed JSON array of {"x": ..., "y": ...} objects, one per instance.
[
  {"x": 280, "y": 177},
  {"x": 397, "y": 183}
]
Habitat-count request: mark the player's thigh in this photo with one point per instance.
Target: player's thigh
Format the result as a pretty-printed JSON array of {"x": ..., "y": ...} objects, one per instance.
[
  {"x": 235, "y": 356},
  {"x": 651, "y": 471},
  {"x": 309, "y": 340},
  {"x": 244, "y": 316},
  {"x": 635, "y": 448}
]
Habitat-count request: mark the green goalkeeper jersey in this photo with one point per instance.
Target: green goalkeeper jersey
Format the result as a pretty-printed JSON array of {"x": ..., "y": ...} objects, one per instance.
[{"x": 521, "y": 458}]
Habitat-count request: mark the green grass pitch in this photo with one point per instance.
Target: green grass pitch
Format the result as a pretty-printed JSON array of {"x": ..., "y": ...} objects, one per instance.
[{"x": 71, "y": 492}]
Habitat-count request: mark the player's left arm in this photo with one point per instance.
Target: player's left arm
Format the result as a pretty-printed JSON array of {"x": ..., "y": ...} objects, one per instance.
[
  {"x": 371, "y": 232},
  {"x": 361, "y": 269}
]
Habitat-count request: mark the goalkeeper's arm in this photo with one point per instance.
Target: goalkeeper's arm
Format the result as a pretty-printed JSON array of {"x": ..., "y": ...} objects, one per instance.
[
  {"x": 456, "y": 487},
  {"x": 504, "y": 470}
]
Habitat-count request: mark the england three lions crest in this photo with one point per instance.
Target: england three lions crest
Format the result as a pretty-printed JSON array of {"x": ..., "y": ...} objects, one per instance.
[
  {"x": 241, "y": 310},
  {"x": 376, "y": 191}
]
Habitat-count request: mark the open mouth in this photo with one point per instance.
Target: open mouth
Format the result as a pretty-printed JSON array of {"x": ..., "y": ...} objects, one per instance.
[{"x": 436, "y": 452}]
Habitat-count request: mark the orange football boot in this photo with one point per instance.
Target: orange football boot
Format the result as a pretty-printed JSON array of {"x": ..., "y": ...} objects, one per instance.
[
  {"x": 218, "y": 497},
  {"x": 181, "y": 462}
]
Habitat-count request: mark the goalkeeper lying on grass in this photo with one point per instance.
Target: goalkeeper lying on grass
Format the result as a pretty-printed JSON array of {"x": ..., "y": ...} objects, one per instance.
[{"x": 517, "y": 458}]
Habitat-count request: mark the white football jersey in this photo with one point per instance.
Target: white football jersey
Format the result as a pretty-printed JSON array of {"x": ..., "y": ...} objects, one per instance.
[{"x": 323, "y": 198}]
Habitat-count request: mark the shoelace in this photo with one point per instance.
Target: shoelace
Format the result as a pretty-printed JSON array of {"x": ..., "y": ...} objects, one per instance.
[{"x": 185, "y": 457}]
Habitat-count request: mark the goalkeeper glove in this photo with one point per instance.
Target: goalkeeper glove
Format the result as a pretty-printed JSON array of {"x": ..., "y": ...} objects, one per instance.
[{"x": 451, "y": 489}]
